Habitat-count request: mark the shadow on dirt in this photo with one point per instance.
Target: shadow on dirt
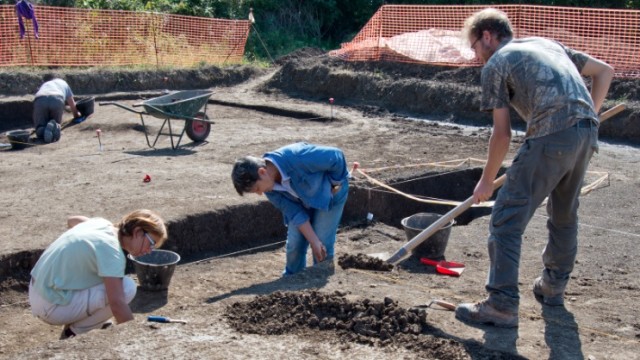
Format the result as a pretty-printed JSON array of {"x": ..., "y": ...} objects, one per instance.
[
  {"x": 498, "y": 339},
  {"x": 561, "y": 333},
  {"x": 148, "y": 301},
  {"x": 161, "y": 152},
  {"x": 312, "y": 278}
]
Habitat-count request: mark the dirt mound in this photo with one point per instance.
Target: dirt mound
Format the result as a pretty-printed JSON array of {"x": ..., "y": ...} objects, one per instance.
[
  {"x": 364, "y": 321},
  {"x": 374, "y": 323},
  {"x": 302, "y": 53},
  {"x": 101, "y": 81},
  {"x": 364, "y": 262},
  {"x": 450, "y": 94}
]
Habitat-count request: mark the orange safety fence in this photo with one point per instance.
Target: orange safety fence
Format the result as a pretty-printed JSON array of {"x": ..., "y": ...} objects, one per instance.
[
  {"x": 86, "y": 37},
  {"x": 432, "y": 34}
]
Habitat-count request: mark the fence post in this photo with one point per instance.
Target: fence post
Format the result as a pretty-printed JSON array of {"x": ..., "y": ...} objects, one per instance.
[
  {"x": 30, "y": 50},
  {"x": 380, "y": 15},
  {"x": 155, "y": 43}
]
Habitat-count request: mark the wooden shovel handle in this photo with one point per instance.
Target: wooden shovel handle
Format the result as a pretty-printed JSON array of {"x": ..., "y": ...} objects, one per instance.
[
  {"x": 444, "y": 304},
  {"x": 446, "y": 218},
  {"x": 612, "y": 112}
]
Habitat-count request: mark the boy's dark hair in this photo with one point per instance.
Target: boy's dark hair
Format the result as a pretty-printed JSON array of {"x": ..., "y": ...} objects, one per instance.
[{"x": 245, "y": 173}]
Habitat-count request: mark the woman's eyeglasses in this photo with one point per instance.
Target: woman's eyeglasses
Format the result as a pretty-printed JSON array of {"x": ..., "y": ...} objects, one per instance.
[{"x": 152, "y": 244}]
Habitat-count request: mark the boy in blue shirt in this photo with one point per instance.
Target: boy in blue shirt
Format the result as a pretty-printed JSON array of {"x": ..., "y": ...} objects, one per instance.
[{"x": 309, "y": 185}]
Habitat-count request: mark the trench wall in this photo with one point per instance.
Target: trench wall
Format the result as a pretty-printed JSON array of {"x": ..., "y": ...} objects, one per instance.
[
  {"x": 16, "y": 108},
  {"x": 438, "y": 92},
  {"x": 246, "y": 226}
]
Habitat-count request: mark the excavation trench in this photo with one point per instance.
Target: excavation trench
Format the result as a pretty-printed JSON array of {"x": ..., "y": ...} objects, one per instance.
[{"x": 237, "y": 229}]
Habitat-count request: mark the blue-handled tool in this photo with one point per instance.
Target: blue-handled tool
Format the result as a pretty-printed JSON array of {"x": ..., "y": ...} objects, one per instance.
[{"x": 164, "y": 319}]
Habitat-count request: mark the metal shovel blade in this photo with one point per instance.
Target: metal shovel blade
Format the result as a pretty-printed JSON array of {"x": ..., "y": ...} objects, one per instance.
[{"x": 381, "y": 255}]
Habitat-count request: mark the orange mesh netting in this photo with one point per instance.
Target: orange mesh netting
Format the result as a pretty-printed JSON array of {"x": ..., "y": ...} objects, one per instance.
[
  {"x": 84, "y": 37},
  {"x": 431, "y": 34}
]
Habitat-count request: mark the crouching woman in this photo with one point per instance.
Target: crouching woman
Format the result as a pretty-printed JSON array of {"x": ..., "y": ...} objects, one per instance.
[
  {"x": 309, "y": 185},
  {"x": 79, "y": 280}
]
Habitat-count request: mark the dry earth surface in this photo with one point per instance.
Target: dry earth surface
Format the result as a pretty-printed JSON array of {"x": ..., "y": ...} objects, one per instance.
[{"x": 240, "y": 307}]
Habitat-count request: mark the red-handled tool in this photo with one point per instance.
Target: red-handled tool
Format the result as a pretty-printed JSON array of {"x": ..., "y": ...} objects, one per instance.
[{"x": 445, "y": 267}]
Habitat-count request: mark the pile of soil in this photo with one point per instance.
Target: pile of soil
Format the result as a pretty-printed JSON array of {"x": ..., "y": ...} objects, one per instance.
[
  {"x": 364, "y": 321},
  {"x": 302, "y": 53},
  {"x": 364, "y": 262}
]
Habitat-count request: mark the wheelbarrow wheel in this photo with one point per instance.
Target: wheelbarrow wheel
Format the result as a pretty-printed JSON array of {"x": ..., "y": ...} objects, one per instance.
[{"x": 198, "y": 131}]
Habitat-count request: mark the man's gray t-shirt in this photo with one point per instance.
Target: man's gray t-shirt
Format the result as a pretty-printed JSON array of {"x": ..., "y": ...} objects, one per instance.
[
  {"x": 55, "y": 87},
  {"x": 541, "y": 79}
]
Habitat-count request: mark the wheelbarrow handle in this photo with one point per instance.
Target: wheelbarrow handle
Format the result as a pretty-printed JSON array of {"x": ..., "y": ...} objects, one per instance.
[{"x": 104, "y": 103}]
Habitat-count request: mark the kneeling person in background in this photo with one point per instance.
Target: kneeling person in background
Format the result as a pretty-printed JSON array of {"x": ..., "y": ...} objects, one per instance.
[{"x": 48, "y": 107}]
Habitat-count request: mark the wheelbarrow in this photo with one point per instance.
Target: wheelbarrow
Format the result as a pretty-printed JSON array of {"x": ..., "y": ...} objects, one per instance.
[{"x": 181, "y": 105}]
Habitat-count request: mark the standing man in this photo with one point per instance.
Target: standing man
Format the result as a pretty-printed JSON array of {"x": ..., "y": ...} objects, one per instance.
[
  {"x": 48, "y": 107},
  {"x": 309, "y": 184},
  {"x": 542, "y": 80}
]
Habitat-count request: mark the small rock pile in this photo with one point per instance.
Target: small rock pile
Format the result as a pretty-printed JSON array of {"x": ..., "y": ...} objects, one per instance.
[{"x": 364, "y": 262}]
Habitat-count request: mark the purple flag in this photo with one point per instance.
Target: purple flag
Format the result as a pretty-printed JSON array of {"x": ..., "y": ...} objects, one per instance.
[{"x": 25, "y": 9}]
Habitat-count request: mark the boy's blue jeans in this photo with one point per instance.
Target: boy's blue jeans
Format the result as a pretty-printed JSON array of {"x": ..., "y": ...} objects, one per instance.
[
  {"x": 553, "y": 166},
  {"x": 325, "y": 224}
]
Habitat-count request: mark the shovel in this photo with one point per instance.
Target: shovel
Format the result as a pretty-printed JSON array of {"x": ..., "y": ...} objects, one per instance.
[{"x": 405, "y": 251}]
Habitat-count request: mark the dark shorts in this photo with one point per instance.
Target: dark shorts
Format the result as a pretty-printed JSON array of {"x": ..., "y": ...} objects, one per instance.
[{"x": 46, "y": 108}]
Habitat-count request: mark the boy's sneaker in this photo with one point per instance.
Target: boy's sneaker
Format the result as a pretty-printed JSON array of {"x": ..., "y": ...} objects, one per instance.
[
  {"x": 484, "y": 313},
  {"x": 546, "y": 295},
  {"x": 49, "y": 131}
]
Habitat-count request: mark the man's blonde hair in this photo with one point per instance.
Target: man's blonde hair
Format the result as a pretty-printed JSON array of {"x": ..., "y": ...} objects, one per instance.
[{"x": 489, "y": 19}]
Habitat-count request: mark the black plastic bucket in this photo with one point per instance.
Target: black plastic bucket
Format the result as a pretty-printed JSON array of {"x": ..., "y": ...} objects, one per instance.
[
  {"x": 85, "y": 106},
  {"x": 435, "y": 245},
  {"x": 19, "y": 139},
  {"x": 155, "y": 269}
]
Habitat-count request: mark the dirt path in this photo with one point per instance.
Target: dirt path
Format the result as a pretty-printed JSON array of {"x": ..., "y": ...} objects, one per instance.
[{"x": 42, "y": 185}]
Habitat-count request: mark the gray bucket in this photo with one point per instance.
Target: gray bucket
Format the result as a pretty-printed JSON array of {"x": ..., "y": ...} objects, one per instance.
[
  {"x": 155, "y": 269},
  {"x": 19, "y": 139},
  {"x": 85, "y": 106},
  {"x": 435, "y": 245}
]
